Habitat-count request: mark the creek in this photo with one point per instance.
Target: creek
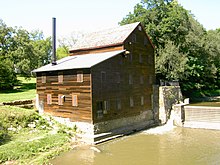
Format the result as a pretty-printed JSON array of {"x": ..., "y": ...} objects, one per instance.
[{"x": 164, "y": 145}]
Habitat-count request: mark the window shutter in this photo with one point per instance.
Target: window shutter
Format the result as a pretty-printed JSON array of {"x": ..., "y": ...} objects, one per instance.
[
  {"x": 43, "y": 78},
  {"x": 74, "y": 100},
  {"x": 60, "y": 77},
  {"x": 79, "y": 76},
  {"x": 49, "y": 99}
]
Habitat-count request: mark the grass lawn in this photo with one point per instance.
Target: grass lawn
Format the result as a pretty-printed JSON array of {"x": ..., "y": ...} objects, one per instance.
[
  {"x": 25, "y": 90},
  {"x": 21, "y": 143}
]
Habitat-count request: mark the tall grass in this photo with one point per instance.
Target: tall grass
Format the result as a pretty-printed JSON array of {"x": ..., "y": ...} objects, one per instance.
[{"x": 23, "y": 144}]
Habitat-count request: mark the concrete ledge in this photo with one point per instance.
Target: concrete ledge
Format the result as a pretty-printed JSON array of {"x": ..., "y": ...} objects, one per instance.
[{"x": 204, "y": 125}]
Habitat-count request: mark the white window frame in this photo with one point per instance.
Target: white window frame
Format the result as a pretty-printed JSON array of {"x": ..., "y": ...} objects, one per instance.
[
  {"x": 79, "y": 76},
  {"x": 139, "y": 28},
  {"x": 74, "y": 100},
  {"x": 60, "y": 99},
  {"x": 60, "y": 77}
]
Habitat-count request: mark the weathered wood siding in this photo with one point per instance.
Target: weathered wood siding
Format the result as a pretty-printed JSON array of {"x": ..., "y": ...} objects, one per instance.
[
  {"x": 96, "y": 50},
  {"x": 140, "y": 63},
  {"x": 70, "y": 86}
]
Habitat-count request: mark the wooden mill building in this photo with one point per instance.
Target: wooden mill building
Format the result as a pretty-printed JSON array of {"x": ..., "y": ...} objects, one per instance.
[{"x": 105, "y": 85}]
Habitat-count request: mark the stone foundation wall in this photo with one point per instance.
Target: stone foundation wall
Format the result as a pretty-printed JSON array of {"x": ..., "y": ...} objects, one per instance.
[
  {"x": 126, "y": 124},
  {"x": 168, "y": 96},
  {"x": 99, "y": 132}
]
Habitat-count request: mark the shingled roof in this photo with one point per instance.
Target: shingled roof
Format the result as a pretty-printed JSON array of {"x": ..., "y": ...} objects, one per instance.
[{"x": 107, "y": 37}]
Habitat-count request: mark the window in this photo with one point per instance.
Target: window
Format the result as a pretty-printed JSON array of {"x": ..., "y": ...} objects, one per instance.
[
  {"x": 103, "y": 77},
  {"x": 139, "y": 28},
  {"x": 79, "y": 76},
  {"x": 43, "y": 78},
  {"x": 141, "y": 79},
  {"x": 140, "y": 58},
  {"x": 145, "y": 41},
  {"x": 131, "y": 102},
  {"x": 150, "y": 80},
  {"x": 142, "y": 100},
  {"x": 118, "y": 77},
  {"x": 99, "y": 106},
  {"x": 74, "y": 100},
  {"x": 106, "y": 107},
  {"x": 99, "y": 114},
  {"x": 130, "y": 57},
  {"x": 118, "y": 104},
  {"x": 60, "y": 77},
  {"x": 134, "y": 38},
  {"x": 130, "y": 79},
  {"x": 61, "y": 99},
  {"x": 49, "y": 99}
]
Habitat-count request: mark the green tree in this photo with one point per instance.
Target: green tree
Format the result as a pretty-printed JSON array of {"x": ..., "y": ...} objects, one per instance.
[
  {"x": 62, "y": 51},
  {"x": 32, "y": 51},
  {"x": 7, "y": 46},
  {"x": 171, "y": 64},
  {"x": 21, "y": 52},
  {"x": 184, "y": 50}
]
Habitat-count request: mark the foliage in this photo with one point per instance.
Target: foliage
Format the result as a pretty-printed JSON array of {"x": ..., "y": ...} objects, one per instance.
[
  {"x": 184, "y": 50},
  {"x": 25, "y": 89},
  {"x": 29, "y": 138},
  {"x": 18, "y": 117},
  {"x": 27, "y": 151},
  {"x": 171, "y": 63},
  {"x": 62, "y": 52},
  {"x": 21, "y": 52}
]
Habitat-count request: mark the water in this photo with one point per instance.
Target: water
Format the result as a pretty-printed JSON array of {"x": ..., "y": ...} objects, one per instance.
[{"x": 160, "y": 146}]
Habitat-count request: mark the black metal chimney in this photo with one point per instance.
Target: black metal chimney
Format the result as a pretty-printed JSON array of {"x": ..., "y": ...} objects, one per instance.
[{"x": 54, "y": 59}]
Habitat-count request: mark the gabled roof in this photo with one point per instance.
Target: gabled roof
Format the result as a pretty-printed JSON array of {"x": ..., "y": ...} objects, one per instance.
[
  {"x": 79, "y": 61},
  {"x": 107, "y": 37}
]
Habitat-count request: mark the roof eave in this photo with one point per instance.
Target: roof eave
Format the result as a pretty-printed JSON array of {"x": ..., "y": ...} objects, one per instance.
[{"x": 96, "y": 47}]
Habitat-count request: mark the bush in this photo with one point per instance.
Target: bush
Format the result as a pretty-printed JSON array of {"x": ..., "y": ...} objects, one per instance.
[
  {"x": 19, "y": 117},
  {"x": 4, "y": 136}
]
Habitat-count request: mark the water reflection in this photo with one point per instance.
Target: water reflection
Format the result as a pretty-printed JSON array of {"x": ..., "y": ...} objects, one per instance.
[{"x": 179, "y": 146}]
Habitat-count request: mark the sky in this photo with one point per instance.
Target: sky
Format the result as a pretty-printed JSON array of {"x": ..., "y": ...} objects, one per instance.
[{"x": 89, "y": 15}]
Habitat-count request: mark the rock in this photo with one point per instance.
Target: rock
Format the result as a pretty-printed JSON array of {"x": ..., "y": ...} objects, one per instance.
[{"x": 95, "y": 149}]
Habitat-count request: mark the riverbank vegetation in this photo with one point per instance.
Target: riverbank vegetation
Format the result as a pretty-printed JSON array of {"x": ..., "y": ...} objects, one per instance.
[
  {"x": 184, "y": 49},
  {"x": 27, "y": 138}
]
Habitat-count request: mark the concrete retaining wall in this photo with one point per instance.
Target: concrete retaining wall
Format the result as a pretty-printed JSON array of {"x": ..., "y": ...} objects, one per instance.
[
  {"x": 197, "y": 116},
  {"x": 168, "y": 96},
  {"x": 202, "y": 117}
]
